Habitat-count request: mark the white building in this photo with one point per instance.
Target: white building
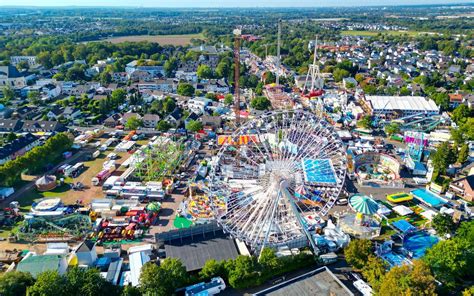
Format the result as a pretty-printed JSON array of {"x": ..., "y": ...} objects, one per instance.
[
  {"x": 31, "y": 60},
  {"x": 400, "y": 106}
]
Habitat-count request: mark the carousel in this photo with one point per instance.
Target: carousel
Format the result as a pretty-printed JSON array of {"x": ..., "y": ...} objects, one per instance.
[{"x": 361, "y": 221}]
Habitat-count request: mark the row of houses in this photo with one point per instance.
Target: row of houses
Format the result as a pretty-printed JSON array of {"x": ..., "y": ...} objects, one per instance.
[{"x": 32, "y": 126}]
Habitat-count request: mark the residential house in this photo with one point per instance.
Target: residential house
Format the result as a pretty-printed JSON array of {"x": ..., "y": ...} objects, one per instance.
[
  {"x": 113, "y": 120},
  {"x": 211, "y": 122},
  {"x": 174, "y": 117},
  {"x": 18, "y": 147},
  {"x": 54, "y": 113},
  {"x": 10, "y": 125},
  {"x": 128, "y": 115},
  {"x": 120, "y": 77},
  {"x": 71, "y": 113},
  {"x": 192, "y": 117},
  {"x": 5, "y": 112},
  {"x": 10, "y": 76},
  {"x": 31, "y": 60},
  {"x": 34, "y": 126},
  {"x": 455, "y": 100},
  {"x": 150, "y": 120},
  {"x": 463, "y": 187},
  {"x": 199, "y": 105}
]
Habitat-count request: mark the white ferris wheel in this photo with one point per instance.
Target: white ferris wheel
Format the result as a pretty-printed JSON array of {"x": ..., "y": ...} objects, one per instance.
[{"x": 275, "y": 177}]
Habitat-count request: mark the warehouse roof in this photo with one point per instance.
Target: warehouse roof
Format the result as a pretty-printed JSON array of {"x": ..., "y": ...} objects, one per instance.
[{"x": 406, "y": 103}]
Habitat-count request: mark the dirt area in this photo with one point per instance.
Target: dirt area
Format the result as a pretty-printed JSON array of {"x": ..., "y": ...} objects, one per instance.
[{"x": 161, "y": 39}]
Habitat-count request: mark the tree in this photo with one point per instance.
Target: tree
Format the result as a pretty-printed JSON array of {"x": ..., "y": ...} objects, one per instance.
[
  {"x": 212, "y": 268},
  {"x": 194, "y": 126},
  {"x": 374, "y": 271},
  {"x": 442, "y": 157},
  {"x": 408, "y": 280},
  {"x": 392, "y": 128},
  {"x": 229, "y": 99},
  {"x": 88, "y": 282},
  {"x": 162, "y": 280},
  {"x": 15, "y": 283},
  {"x": 441, "y": 99},
  {"x": 8, "y": 93},
  {"x": 34, "y": 97},
  {"x": 163, "y": 126},
  {"x": 49, "y": 283},
  {"x": 463, "y": 153},
  {"x": 260, "y": 103},
  {"x": 204, "y": 72},
  {"x": 443, "y": 224},
  {"x": 366, "y": 122},
  {"x": 170, "y": 66},
  {"x": 339, "y": 74},
  {"x": 11, "y": 137},
  {"x": 133, "y": 123},
  {"x": 269, "y": 261},
  {"x": 461, "y": 114},
  {"x": 245, "y": 272},
  {"x": 169, "y": 105},
  {"x": 185, "y": 89},
  {"x": 357, "y": 252}
]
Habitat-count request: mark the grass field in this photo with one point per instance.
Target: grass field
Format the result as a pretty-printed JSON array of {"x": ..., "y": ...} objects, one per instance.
[
  {"x": 375, "y": 33},
  {"x": 161, "y": 39}
]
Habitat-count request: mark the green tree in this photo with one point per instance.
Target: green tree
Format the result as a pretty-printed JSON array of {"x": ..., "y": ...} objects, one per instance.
[
  {"x": 443, "y": 224},
  {"x": 133, "y": 123},
  {"x": 441, "y": 99},
  {"x": 392, "y": 128},
  {"x": 374, "y": 271},
  {"x": 204, "y": 72},
  {"x": 212, "y": 268},
  {"x": 170, "y": 66},
  {"x": 339, "y": 74},
  {"x": 463, "y": 153},
  {"x": 229, "y": 99},
  {"x": 15, "y": 283},
  {"x": 408, "y": 280},
  {"x": 8, "y": 93},
  {"x": 269, "y": 261},
  {"x": 49, "y": 283},
  {"x": 442, "y": 157},
  {"x": 169, "y": 104},
  {"x": 366, "y": 122},
  {"x": 163, "y": 280},
  {"x": 88, "y": 282},
  {"x": 357, "y": 252},
  {"x": 461, "y": 114},
  {"x": 244, "y": 273},
  {"x": 194, "y": 126},
  {"x": 34, "y": 97},
  {"x": 185, "y": 89},
  {"x": 163, "y": 126},
  {"x": 11, "y": 137},
  {"x": 260, "y": 103}
]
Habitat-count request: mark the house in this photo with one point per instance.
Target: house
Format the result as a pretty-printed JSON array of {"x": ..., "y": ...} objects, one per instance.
[
  {"x": 26, "y": 112},
  {"x": 192, "y": 117},
  {"x": 31, "y": 60},
  {"x": 128, "y": 115},
  {"x": 150, "y": 120},
  {"x": 349, "y": 82},
  {"x": 5, "y": 112},
  {"x": 71, "y": 113},
  {"x": 463, "y": 187},
  {"x": 212, "y": 122},
  {"x": 113, "y": 120},
  {"x": 54, "y": 113},
  {"x": 36, "y": 264},
  {"x": 34, "y": 126},
  {"x": 455, "y": 100},
  {"x": 18, "y": 147},
  {"x": 86, "y": 253},
  {"x": 10, "y": 125},
  {"x": 10, "y": 76},
  {"x": 199, "y": 105},
  {"x": 174, "y": 117},
  {"x": 120, "y": 77}
]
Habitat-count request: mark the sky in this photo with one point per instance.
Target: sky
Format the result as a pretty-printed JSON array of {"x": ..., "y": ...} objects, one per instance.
[{"x": 222, "y": 3}]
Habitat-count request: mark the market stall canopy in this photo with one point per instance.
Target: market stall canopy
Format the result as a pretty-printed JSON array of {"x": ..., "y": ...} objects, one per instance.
[{"x": 363, "y": 204}]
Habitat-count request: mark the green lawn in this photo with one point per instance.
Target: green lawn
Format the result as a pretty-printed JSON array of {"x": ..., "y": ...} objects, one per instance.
[
  {"x": 375, "y": 33},
  {"x": 32, "y": 195}
]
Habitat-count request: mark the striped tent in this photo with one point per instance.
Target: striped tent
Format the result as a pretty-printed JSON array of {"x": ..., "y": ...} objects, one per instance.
[{"x": 363, "y": 204}]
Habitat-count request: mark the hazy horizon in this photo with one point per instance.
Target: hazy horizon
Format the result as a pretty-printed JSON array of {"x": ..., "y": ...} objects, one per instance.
[{"x": 221, "y": 3}]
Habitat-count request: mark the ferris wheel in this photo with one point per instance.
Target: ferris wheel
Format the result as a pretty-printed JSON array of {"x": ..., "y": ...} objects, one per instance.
[{"x": 275, "y": 177}]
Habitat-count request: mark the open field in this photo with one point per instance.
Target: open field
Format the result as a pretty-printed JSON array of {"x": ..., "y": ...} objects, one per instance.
[
  {"x": 161, "y": 39},
  {"x": 375, "y": 33}
]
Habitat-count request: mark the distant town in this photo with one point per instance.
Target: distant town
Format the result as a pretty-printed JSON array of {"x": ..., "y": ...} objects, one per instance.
[{"x": 237, "y": 151}]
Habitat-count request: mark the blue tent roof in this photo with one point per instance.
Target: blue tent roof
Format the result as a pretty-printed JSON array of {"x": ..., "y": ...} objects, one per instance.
[{"x": 403, "y": 226}]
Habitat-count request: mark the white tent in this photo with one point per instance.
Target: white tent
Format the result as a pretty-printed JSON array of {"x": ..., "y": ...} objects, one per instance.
[
  {"x": 402, "y": 210},
  {"x": 428, "y": 214}
]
